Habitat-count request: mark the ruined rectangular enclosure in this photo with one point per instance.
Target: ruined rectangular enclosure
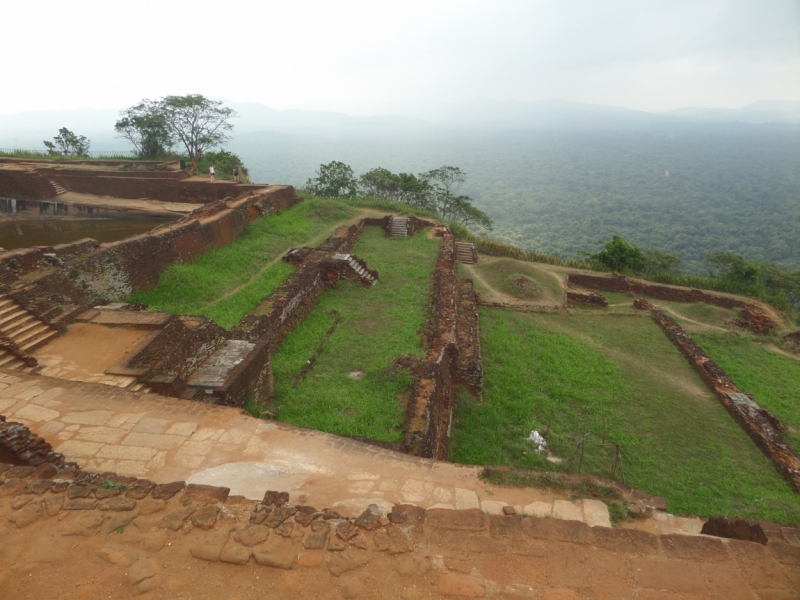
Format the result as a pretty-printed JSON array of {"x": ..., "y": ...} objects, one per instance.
[{"x": 192, "y": 357}]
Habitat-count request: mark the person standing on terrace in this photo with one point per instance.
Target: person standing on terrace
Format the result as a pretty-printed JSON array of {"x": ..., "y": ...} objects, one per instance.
[{"x": 211, "y": 172}]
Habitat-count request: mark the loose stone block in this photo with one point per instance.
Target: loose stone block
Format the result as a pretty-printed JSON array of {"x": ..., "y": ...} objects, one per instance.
[
  {"x": 347, "y": 561},
  {"x": 118, "y": 522},
  {"x": 117, "y": 504},
  {"x": 206, "y": 517},
  {"x": 207, "y": 494},
  {"x": 461, "y": 520},
  {"x": 370, "y": 519},
  {"x": 174, "y": 520},
  {"x": 209, "y": 552},
  {"x": 27, "y": 515},
  {"x": 165, "y": 491},
  {"x": 140, "y": 490},
  {"x": 236, "y": 555},
  {"x": 80, "y": 504},
  {"x": 77, "y": 490},
  {"x": 595, "y": 513},
  {"x": 279, "y": 554},
  {"x": 18, "y": 502},
  {"x": 279, "y": 515},
  {"x": 255, "y": 534},
  {"x": 567, "y": 511},
  {"x": 318, "y": 537}
]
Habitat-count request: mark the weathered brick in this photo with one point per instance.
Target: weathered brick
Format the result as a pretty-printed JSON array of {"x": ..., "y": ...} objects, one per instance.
[
  {"x": 669, "y": 575},
  {"x": 472, "y": 519},
  {"x": 694, "y": 547},
  {"x": 576, "y": 532}
]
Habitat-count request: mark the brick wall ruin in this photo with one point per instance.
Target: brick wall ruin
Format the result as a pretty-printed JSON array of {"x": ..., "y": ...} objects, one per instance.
[
  {"x": 625, "y": 285},
  {"x": 87, "y": 273},
  {"x": 19, "y": 446},
  {"x": 452, "y": 357},
  {"x": 25, "y": 185},
  {"x": 583, "y": 298},
  {"x": 758, "y": 423}
]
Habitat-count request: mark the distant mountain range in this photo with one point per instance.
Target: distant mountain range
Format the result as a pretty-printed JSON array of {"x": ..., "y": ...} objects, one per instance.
[{"x": 27, "y": 130}]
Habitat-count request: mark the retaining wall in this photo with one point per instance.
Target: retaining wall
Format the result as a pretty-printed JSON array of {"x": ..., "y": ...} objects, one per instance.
[
  {"x": 25, "y": 185},
  {"x": 114, "y": 270},
  {"x": 453, "y": 357},
  {"x": 621, "y": 284},
  {"x": 167, "y": 189},
  {"x": 760, "y": 424}
]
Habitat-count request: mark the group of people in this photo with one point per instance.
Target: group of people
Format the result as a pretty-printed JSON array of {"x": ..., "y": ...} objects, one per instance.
[{"x": 212, "y": 172}]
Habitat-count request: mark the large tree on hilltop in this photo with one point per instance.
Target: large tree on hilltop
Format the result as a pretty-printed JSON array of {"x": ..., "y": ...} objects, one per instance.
[
  {"x": 143, "y": 126},
  {"x": 334, "y": 180},
  {"x": 193, "y": 121}
]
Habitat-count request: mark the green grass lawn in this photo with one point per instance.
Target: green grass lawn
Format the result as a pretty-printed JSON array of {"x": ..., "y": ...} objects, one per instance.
[
  {"x": 621, "y": 375},
  {"x": 228, "y": 282},
  {"x": 519, "y": 279},
  {"x": 772, "y": 379},
  {"x": 378, "y": 324}
]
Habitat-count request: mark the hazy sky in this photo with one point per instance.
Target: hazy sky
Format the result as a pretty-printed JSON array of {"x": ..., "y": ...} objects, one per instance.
[{"x": 368, "y": 56}]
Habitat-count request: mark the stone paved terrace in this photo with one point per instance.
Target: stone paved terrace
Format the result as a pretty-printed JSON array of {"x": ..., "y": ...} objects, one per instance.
[{"x": 106, "y": 429}]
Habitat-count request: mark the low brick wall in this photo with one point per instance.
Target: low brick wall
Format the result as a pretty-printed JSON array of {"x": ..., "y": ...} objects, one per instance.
[
  {"x": 621, "y": 284},
  {"x": 19, "y": 446},
  {"x": 114, "y": 270},
  {"x": 582, "y": 298},
  {"x": 25, "y": 185},
  {"x": 426, "y": 431},
  {"x": 758, "y": 423},
  {"x": 469, "y": 367},
  {"x": 179, "y": 349},
  {"x": 153, "y": 188}
]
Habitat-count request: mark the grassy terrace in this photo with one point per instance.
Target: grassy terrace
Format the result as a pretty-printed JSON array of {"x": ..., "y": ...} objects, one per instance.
[
  {"x": 621, "y": 375},
  {"x": 517, "y": 279},
  {"x": 227, "y": 283},
  {"x": 772, "y": 379},
  {"x": 377, "y": 325}
]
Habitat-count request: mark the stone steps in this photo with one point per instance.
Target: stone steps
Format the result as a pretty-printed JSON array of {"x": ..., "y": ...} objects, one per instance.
[
  {"x": 361, "y": 271},
  {"x": 59, "y": 189},
  {"x": 399, "y": 227},
  {"x": 22, "y": 328},
  {"x": 465, "y": 253}
]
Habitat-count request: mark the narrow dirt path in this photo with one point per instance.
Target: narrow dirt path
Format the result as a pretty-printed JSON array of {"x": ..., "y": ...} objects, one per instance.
[
  {"x": 774, "y": 348},
  {"x": 316, "y": 240},
  {"x": 688, "y": 320}
]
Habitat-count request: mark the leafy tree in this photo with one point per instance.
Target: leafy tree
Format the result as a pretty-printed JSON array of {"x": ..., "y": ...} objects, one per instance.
[
  {"x": 144, "y": 127},
  {"x": 404, "y": 187},
  {"x": 334, "y": 180},
  {"x": 67, "y": 143},
  {"x": 618, "y": 256},
  {"x": 727, "y": 265},
  {"x": 658, "y": 262},
  {"x": 445, "y": 182}
]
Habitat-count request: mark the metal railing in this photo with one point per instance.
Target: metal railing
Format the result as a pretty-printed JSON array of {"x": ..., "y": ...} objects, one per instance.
[{"x": 88, "y": 154}]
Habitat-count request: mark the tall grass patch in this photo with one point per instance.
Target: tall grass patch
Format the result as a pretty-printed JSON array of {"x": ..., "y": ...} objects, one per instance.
[
  {"x": 353, "y": 387},
  {"x": 617, "y": 378},
  {"x": 228, "y": 282}
]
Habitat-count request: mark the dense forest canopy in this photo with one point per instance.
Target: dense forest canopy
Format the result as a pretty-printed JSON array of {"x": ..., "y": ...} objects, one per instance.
[{"x": 688, "y": 189}]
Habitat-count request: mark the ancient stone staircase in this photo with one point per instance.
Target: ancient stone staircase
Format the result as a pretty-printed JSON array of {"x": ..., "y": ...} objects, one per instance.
[
  {"x": 59, "y": 190},
  {"x": 465, "y": 252},
  {"x": 399, "y": 227},
  {"x": 361, "y": 271},
  {"x": 23, "y": 329}
]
